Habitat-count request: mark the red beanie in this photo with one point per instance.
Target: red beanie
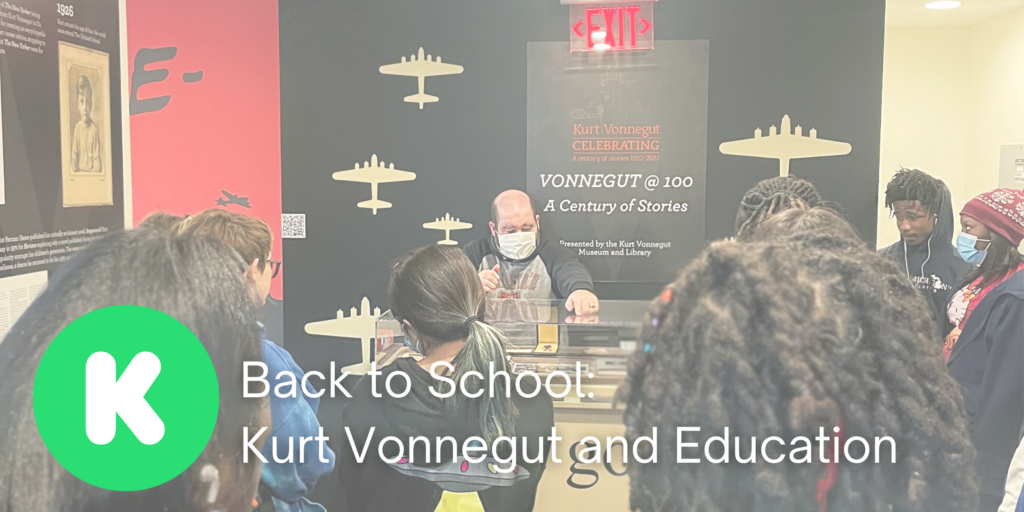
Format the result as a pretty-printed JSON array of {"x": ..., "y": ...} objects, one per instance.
[{"x": 1000, "y": 210}]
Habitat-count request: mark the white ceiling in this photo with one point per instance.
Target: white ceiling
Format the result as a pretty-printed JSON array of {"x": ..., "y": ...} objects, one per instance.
[{"x": 908, "y": 13}]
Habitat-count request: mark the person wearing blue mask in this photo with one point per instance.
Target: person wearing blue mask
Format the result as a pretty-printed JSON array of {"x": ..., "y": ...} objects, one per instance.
[{"x": 985, "y": 349}]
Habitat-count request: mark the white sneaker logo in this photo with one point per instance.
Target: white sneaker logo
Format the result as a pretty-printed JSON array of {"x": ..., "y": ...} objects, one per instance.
[{"x": 106, "y": 397}]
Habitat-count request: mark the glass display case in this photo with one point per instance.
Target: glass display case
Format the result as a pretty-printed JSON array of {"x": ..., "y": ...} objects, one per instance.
[{"x": 544, "y": 337}]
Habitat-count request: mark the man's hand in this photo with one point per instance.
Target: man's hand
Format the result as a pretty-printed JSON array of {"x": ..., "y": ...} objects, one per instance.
[
  {"x": 490, "y": 279},
  {"x": 582, "y": 302}
]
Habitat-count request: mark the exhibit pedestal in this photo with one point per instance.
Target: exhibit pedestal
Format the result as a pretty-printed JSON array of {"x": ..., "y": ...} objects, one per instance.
[
  {"x": 591, "y": 351},
  {"x": 570, "y": 485}
]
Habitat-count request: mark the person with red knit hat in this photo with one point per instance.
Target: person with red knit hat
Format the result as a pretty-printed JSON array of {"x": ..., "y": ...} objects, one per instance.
[{"x": 985, "y": 350}]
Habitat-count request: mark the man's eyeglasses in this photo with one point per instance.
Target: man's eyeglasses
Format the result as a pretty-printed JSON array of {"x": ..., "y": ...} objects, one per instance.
[{"x": 275, "y": 265}]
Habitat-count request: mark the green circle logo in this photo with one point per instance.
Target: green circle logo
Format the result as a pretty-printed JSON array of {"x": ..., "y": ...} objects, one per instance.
[{"x": 126, "y": 398}]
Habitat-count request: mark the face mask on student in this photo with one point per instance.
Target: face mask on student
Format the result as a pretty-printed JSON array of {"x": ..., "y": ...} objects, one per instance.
[
  {"x": 965, "y": 246},
  {"x": 517, "y": 246},
  {"x": 407, "y": 341}
]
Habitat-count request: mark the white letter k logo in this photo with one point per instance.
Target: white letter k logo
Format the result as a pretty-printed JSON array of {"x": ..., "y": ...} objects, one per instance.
[{"x": 106, "y": 397}]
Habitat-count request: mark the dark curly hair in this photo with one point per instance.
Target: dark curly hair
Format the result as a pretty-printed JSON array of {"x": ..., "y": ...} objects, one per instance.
[
  {"x": 779, "y": 339},
  {"x": 772, "y": 196},
  {"x": 914, "y": 185}
]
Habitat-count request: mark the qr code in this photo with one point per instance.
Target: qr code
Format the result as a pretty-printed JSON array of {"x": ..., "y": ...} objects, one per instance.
[{"x": 293, "y": 225}]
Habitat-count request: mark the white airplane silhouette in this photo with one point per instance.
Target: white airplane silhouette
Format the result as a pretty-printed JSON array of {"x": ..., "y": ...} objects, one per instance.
[
  {"x": 421, "y": 68},
  {"x": 447, "y": 224},
  {"x": 357, "y": 325},
  {"x": 785, "y": 146},
  {"x": 374, "y": 173}
]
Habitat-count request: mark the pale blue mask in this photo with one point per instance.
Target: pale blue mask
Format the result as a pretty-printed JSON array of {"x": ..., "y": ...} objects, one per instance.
[
  {"x": 411, "y": 345},
  {"x": 965, "y": 243},
  {"x": 407, "y": 341}
]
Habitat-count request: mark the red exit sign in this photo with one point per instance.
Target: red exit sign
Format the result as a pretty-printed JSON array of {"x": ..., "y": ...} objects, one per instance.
[{"x": 611, "y": 27}]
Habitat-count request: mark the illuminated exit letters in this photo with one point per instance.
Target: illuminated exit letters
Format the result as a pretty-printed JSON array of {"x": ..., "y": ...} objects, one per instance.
[{"x": 611, "y": 27}]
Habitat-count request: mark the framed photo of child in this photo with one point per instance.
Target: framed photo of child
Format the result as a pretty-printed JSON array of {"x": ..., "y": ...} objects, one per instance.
[{"x": 85, "y": 126}]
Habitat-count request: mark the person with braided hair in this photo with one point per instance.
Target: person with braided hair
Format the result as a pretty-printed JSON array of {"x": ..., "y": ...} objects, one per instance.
[
  {"x": 770, "y": 197},
  {"x": 800, "y": 223},
  {"x": 436, "y": 295},
  {"x": 780, "y": 339},
  {"x": 923, "y": 209}
]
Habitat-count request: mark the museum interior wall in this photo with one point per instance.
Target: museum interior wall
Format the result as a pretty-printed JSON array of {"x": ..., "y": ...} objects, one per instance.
[
  {"x": 951, "y": 97},
  {"x": 817, "y": 63}
]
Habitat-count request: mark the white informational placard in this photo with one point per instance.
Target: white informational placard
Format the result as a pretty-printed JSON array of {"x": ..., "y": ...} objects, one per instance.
[{"x": 16, "y": 293}]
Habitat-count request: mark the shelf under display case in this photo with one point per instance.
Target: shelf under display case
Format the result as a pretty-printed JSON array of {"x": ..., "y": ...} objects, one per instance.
[{"x": 544, "y": 337}]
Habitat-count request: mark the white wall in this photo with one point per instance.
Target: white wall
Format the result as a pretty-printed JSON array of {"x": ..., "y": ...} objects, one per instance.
[
  {"x": 925, "y": 104},
  {"x": 997, "y": 71},
  {"x": 951, "y": 96}
]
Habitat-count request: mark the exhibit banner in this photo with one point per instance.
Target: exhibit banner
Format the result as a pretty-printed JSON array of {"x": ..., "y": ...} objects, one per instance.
[
  {"x": 617, "y": 155},
  {"x": 206, "y": 110},
  {"x": 61, "y": 176}
]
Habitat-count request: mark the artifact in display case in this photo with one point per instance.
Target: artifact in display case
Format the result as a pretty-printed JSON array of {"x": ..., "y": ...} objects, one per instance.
[{"x": 544, "y": 338}]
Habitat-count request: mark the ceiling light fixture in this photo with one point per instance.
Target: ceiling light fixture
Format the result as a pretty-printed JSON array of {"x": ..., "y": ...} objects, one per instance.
[{"x": 943, "y": 4}]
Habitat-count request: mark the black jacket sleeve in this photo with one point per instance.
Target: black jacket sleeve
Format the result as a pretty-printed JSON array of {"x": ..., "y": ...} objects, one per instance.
[
  {"x": 999, "y": 410},
  {"x": 567, "y": 273},
  {"x": 536, "y": 418}
]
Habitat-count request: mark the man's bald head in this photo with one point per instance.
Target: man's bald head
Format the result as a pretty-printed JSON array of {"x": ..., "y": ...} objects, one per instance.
[{"x": 512, "y": 211}]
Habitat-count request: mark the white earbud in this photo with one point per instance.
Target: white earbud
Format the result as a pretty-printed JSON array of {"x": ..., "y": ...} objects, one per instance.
[{"x": 210, "y": 475}]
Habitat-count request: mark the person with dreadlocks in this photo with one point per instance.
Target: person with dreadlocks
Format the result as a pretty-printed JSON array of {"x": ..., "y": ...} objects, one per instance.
[
  {"x": 780, "y": 339},
  {"x": 986, "y": 351},
  {"x": 801, "y": 223},
  {"x": 923, "y": 209},
  {"x": 770, "y": 197}
]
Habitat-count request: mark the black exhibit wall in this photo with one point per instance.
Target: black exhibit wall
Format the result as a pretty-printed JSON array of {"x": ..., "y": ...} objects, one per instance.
[
  {"x": 817, "y": 61},
  {"x": 61, "y": 175},
  {"x": 61, "y": 182}
]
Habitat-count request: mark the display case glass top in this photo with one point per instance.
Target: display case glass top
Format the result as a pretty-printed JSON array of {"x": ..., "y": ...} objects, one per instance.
[
  {"x": 611, "y": 313},
  {"x": 543, "y": 337}
]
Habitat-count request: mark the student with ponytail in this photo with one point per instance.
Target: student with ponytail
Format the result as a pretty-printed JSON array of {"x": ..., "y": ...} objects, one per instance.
[{"x": 437, "y": 296}]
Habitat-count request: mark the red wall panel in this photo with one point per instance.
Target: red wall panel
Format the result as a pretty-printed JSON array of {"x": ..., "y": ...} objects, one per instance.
[{"x": 220, "y": 132}]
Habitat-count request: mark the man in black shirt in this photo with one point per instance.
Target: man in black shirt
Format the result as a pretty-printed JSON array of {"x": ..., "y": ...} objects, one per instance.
[{"x": 513, "y": 263}]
